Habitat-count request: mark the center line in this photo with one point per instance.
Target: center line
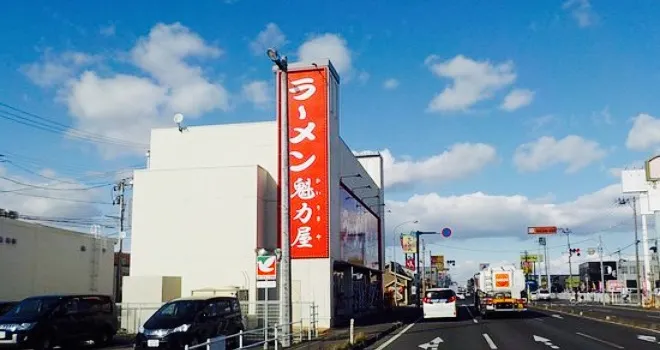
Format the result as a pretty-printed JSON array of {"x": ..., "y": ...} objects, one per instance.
[
  {"x": 600, "y": 340},
  {"x": 489, "y": 341},
  {"x": 470, "y": 313}
]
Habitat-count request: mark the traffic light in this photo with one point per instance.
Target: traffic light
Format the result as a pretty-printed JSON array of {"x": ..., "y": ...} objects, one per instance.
[
  {"x": 451, "y": 262},
  {"x": 574, "y": 251},
  {"x": 654, "y": 249}
]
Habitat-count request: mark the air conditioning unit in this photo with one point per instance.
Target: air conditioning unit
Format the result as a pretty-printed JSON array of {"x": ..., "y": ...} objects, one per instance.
[{"x": 12, "y": 215}]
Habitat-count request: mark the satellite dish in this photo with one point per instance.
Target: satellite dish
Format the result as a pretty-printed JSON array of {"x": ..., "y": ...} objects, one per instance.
[{"x": 178, "y": 118}]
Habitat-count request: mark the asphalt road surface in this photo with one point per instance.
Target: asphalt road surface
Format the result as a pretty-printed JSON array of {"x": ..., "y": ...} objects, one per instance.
[
  {"x": 535, "y": 330},
  {"x": 632, "y": 313}
]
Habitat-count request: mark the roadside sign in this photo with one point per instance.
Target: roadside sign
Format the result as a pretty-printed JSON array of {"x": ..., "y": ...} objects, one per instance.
[
  {"x": 531, "y": 257},
  {"x": 266, "y": 268},
  {"x": 446, "y": 232},
  {"x": 542, "y": 230}
]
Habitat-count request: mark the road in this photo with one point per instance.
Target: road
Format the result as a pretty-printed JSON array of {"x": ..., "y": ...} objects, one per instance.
[
  {"x": 632, "y": 313},
  {"x": 536, "y": 330}
]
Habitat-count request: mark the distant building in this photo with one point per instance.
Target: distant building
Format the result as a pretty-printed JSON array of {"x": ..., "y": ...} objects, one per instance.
[
  {"x": 39, "y": 259},
  {"x": 589, "y": 273}
]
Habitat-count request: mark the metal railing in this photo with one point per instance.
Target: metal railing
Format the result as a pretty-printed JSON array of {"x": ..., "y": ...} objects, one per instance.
[
  {"x": 271, "y": 336},
  {"x": 256, "y": 314}
]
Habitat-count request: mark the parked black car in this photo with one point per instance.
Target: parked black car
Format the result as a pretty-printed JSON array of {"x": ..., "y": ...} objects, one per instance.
[
  {"x": 43, "y": 322},
  {"x": 190, "y": 321},
  {"x": 6, "y": 306}
]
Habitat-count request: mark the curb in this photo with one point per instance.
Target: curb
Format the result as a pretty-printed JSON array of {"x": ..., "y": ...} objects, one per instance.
[
  {"x": 603, "y": 320},
  {"x": 372, "y": 340}
]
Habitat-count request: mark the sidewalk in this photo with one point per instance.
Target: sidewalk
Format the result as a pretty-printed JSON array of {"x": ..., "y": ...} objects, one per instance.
[{"x": 366, "y": 330}]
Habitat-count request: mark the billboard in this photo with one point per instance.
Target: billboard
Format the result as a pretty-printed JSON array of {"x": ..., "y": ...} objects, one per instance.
[
  {"x": 308, "y": 161},
  {"x": 542, "y": 230},
  {"x": 438, "y": 261},
  {"x": 531, "y": 257},
  {"x": 358, "y": 232},
  {"x": 408, "y": 243}
]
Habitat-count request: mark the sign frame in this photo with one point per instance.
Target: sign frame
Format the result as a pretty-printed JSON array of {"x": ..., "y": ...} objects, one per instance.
[{"x": 542, "y": 230}]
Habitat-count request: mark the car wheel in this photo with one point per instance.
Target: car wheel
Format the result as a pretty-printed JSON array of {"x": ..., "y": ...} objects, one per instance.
[
  {"x": 45, "y": 343},
  {"x": 103, "y": 339}
]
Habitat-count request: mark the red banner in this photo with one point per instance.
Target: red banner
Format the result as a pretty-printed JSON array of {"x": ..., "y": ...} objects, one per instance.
[{"x": 308, "y": 163}]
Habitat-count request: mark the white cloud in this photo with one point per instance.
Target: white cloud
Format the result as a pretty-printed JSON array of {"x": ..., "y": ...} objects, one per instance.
[
  {"x": 472, "y": 81},
  {"x": 53, "y": 69},
  {"x": 644, "y": 134},
  {"x": 480, "y": 215},
  {"x": 516, "y": 99},
  {"x": 363, "y": 77},
  {"x": 258, "y": 93},
  {"x": 271, "y": 36},
  {"x": 328, "y": 46},
  {"x": 18, "y": 195},
  {"x": 391, "y": 84},
  {"x": 127, "y": 106},
  {"x": 581, "y": 11},
  {"x": 108, "y": 30},
  {"x": 459, "y": 161},
  {"x": 573, "y": 151}
]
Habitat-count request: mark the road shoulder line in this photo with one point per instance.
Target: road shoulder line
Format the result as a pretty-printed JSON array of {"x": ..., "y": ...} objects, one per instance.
[{"x": 398, "y": 335}]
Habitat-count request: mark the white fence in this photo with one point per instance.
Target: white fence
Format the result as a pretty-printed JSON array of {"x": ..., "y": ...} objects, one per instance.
[{"x": 134, "y": 315}]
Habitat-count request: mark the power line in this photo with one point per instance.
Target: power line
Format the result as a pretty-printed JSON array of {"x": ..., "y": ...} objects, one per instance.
[{"x": 38, "y": 122}]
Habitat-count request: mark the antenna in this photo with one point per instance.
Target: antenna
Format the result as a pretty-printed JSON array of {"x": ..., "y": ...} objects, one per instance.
[{"x": 178, "y": 119}]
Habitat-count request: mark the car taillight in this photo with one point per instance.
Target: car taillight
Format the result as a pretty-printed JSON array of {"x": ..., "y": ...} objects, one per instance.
[
  {"x": 488, "y": 300},
  {"x": 451, "y": 299},
  {"x": 427, "y": 301}
]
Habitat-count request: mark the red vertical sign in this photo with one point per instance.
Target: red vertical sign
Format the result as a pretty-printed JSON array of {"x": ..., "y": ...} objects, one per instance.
[{"x": 308, "y": 163}]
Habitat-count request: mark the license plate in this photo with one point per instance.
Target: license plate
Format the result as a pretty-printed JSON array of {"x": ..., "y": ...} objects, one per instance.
[
  {"x": 3, "y": 335},
  {"x": 153, "y": 343}
]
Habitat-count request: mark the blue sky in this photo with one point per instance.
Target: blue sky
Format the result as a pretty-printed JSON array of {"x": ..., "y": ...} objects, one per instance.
[{"x": 491, "y": 115}]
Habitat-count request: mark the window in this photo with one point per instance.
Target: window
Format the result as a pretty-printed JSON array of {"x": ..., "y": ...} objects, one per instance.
[
  {"x": 440, "y": 294},
  {"x": 235, "y": 305},
  {"x": 223, "y": 306}
]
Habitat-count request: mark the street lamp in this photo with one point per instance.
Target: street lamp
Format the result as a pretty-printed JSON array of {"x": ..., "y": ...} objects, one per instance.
[
  {"x": 285, "y": 260},
  {"x": 394, "y": 236}
]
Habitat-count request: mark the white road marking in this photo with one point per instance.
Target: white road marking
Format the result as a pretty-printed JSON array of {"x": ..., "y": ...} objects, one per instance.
[
  {"x": 490, "y": 342},
  {"x": 470, "y": 313},
  {"x": 396, "y": 336},
  {"x": 600, "y": 340},
  {"x": 652, "y": 316},
  {"x": 557, "y": 316}
]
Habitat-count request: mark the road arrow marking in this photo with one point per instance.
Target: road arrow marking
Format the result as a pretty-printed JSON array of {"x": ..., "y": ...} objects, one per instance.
[
  {"x": 433, "y": 344},
  {"x": 545, "y": 341},
  {"x": 648, "y": 338},
  {"x": 557, "y": 316}
]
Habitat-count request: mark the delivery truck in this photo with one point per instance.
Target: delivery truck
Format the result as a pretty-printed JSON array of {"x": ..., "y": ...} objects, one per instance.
[{"x": 499, "y": 289}]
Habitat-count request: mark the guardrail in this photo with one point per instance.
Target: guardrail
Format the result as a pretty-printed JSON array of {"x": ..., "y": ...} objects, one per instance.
[{"x": 220, "y": 343}]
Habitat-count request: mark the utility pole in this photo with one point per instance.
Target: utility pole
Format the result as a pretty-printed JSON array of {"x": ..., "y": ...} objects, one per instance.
[
  {"x": 120, "y": 200},
  {"x": 602, "y": 270},
  {"x": 423, "y": 255},
  {"x": 632, "y": 201},
  {"x": 568, "y": 232}
]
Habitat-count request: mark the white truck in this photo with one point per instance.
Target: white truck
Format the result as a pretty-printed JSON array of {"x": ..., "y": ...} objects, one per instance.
[{"x": 499, "y": 290}]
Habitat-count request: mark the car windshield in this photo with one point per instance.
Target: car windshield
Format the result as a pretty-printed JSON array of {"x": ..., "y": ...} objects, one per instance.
[
  {"x": 543, "y": 291},
  {"x": 33, "y": 307},
  {"x": 181, "y": 309},
  {"x": 440, "y": 294}
]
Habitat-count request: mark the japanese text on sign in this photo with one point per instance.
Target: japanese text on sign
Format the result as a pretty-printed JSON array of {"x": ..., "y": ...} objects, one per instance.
[{"x": 308, "y": 163}]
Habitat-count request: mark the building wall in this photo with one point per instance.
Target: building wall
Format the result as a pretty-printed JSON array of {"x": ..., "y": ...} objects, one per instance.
[
  {"x": 48, "y": 260},
  {"x": 201, "y": 224},
  {"x": 215, "y": 146}
]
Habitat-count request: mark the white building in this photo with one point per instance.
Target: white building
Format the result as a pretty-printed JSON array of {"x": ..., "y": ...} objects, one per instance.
[
  {"x": 38, "y": 260},
  {"x": 209, "y": 198}
]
